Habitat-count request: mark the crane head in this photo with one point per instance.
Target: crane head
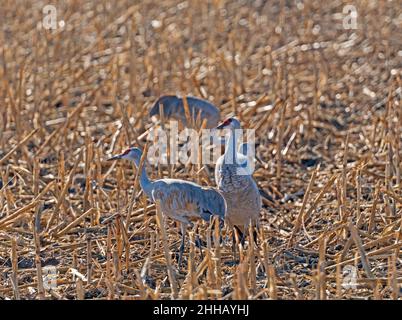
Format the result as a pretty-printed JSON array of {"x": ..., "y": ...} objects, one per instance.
[
  {"x": 130, "y": 154},
  {"x": 229, "y": 123}
]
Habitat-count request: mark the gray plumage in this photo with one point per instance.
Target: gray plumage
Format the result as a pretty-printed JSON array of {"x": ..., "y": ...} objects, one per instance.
[
  {"x": 243, "y": 148},
  {"x": 173, "y": 108},
  {"x": 235, "y": 181},
  {"x": 180, "y": 200},
  {"x": 184, "y": 200}
]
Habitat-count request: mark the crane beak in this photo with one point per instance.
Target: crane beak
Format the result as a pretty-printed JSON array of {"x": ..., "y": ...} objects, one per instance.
[
  {"x": 220, "y": 127},
  {"x": 116, "y": 157}
]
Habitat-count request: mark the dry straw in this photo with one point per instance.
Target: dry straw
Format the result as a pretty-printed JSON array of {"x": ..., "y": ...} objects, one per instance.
[{"x": 326, "y": 106}]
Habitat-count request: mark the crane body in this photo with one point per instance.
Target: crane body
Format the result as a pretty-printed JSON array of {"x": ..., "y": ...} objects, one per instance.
[{"x": 173, "y": 108}]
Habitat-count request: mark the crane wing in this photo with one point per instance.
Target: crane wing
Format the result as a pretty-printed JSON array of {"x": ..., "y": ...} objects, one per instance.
[{"x": 182, "y": 199}]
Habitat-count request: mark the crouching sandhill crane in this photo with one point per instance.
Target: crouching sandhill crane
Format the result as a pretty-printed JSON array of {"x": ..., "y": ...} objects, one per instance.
[
  {"x": 234, "y": 179},
  {"x": 173, "y": 108},
  {"x": 179, "y": 199}
]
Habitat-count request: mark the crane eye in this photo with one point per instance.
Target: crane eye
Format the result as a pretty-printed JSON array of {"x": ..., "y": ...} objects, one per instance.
[
  {"x": 126, "y": 152},
  {"x": 227, "y": 121}
]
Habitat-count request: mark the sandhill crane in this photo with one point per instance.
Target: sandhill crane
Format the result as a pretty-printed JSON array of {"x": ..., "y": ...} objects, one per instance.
[
  {"x": 236, "y": 183},
  {"x": 179, "y": 199},
  {"x": 173, "y": 108}
]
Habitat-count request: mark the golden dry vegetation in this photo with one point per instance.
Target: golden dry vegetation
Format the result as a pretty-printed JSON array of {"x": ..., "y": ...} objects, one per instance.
[{"x": 325, "y": 102}]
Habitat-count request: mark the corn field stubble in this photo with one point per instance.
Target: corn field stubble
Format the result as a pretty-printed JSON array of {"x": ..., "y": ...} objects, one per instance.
[{"x": 325, "y": 102}]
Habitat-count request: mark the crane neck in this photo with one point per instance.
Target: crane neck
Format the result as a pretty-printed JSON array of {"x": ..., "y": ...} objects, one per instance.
[
  {"x": 230, "y": 148},
  {"x": 145, "y": 182}
]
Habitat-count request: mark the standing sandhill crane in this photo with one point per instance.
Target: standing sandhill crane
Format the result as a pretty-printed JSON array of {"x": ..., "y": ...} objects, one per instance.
[
  {"x": 179, "y": 199},
  {"x": 234, "y": 180},
  {"x": 173, "y": 107}
]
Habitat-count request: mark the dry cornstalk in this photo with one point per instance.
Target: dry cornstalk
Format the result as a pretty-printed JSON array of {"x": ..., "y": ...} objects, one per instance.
[{"x": 171, "y": 273}]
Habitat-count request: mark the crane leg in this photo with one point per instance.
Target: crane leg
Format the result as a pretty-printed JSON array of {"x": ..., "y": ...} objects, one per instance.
[
  {"x": 255, "y": 236},
  {"x": 221, "y": 225},
  {"x": 182, "y": 245},
  {"x": 241, "y": 235},
  {"x": 234, "y": 245},
  {"x": 199, "y": 245},
  {"x": 198, "y": 242}
]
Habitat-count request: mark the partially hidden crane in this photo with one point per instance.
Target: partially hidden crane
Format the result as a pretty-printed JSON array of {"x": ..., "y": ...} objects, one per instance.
[{"x": 173, "y": 108}]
